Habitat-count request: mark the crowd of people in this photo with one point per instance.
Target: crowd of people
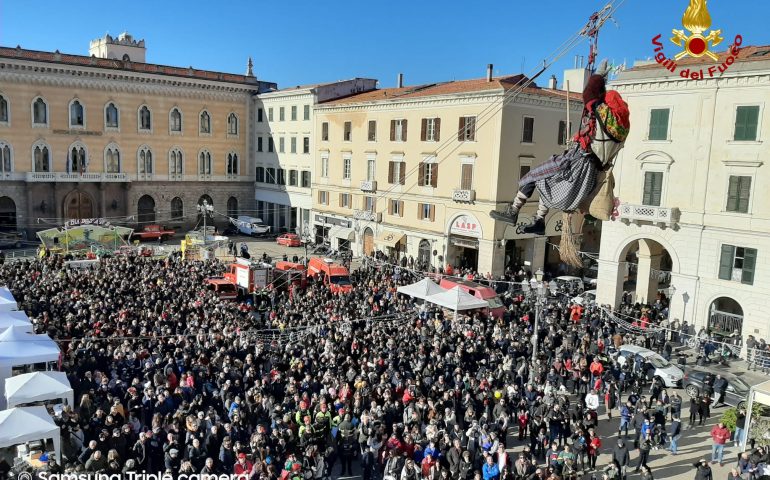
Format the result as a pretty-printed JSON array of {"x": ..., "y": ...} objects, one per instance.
[{"x": 309, "y": 384}]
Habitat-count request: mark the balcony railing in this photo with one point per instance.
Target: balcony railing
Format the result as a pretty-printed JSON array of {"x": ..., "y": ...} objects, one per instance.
[
  {"x": 367, "y": 215},
  {"x": 464, "y": 195},
  {"x": 76, "y": 177},
  {"x": 369, "y": 186},
  {"x": 664, "y": 217}
]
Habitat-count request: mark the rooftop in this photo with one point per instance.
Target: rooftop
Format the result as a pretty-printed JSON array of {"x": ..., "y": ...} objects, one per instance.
[
  {"x": 19, "y": 53},
  {"x": 502, "y": 84},
  {"x": 753, "y": 53}
]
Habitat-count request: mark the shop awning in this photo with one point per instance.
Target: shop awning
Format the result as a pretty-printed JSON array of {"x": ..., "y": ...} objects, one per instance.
[
  {"x": 340, "y": 232},
  {"x": 389, "y": 238}
]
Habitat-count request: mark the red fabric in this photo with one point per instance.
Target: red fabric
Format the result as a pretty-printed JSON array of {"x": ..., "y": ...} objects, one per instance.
[
  {"x": 619, "y": 108},
  {"x": 720, "y": 435},
  {"x": 594, "y": 446}
]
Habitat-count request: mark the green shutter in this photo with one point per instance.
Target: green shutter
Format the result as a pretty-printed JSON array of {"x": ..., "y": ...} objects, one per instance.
[
  {"x": 732, "y": 194},
  {"x": 653, "y": 188},
  {"x": 659, "y": 124},
  {"x": 744, "y": 193},
  {"x": 749, "y": 262},
  {"x": 726, "y": 262},
  {"x": 746, "y": 121}
]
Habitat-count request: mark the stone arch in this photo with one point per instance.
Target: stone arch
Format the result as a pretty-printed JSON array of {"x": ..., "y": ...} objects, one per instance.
[
  {"x": 725, "y": 314},
  {"x": 7, "y": 214},
  {"x": 622, "y": 250},
  {"x": 145, "y": 209},
  {"x": 78, "y": 204}
]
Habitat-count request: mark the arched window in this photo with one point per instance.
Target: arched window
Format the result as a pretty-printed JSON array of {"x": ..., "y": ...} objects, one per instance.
[
  {"x": 4, "y": 112},
  {"x": 78, "y": 159},
  {"x": 39, "y": 112},
  {"x": 145, "y": 209},
  {"x": 41, "y": 158},
  {"x": 6, "y": 163},
  {"x": 205, "y": 124},
  {"x": 204, "y": 163},
  {"x": 232, "y": 164},
  {"x": 145, "y": 118},
  {"x": 423, "y": 254},
  {"x": 77, "y": 114},
  {"x": 111, "y": 115},
  {"x": 112, "y": 159},
  {"x": 175, "y": 120},
  {"x": 177, "y": 208},
  {"x": 232, "y": 207},
  {"x": 232, "y": 124},
  {"x": 260, "y": 174},
  {"x": 144, "y": 160},
  {"x": 175, "y": 162}
]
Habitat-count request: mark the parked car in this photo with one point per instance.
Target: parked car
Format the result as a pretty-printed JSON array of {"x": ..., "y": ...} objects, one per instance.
[
  {"x": 586, "y": 298},
  {"x": 657, "y": 366},
  {"x": 570, "y": 285},
  {"x": 289, "y": 240},
  {"x": 11, "y": 239},
  {"x": 589, "y": 276},
  {"x": 737, "y": 390}
]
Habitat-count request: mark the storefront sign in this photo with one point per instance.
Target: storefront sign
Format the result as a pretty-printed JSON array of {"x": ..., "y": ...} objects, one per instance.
[
  {"x": 466, "y": 225},
  {"x": 332, "y": 221}
]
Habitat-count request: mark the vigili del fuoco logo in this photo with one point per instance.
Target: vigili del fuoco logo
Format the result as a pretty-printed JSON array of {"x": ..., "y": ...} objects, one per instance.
[{"x": 697, "y": 22}]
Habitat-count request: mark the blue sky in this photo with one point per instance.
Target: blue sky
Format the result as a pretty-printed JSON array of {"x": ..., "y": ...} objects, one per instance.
[{"x": 303, "y": 41}]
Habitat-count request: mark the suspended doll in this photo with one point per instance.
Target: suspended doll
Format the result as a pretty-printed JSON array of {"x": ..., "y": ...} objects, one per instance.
[{"x": 565, "y": 181}]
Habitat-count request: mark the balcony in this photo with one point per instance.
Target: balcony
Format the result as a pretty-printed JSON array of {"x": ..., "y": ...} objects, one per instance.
[
  {"x": 369, "y": 186},
  {"x": 76, "y": 177},
  {"x": 661, "y": 216},
  {"x": 464, "y": 195},
  {"x": 367, "y": 215}
]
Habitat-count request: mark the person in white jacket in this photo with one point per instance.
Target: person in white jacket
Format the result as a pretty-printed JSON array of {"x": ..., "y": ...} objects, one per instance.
[{"x": 592, "y": 401}]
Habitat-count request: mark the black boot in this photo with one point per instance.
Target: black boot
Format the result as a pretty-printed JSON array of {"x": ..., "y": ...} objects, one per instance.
[
  {"x": 537, "y": 227},
  {"x": 508, "y": 216}
]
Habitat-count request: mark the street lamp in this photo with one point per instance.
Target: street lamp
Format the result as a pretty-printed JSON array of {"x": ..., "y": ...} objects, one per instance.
[
  {"x": 205, "y": 209},
  {"x": 540, "y": 290}
]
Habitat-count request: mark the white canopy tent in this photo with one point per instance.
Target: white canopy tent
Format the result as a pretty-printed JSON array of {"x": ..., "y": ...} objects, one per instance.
[
  {"x": 7, "y": 302},
  {"x": 28, "y": 424},
  {"x": 19, "y": 348},
  {"x": 457, "y": 299},
  {"x": 15, "y": 319},
  {"x": 422, "y": 289},
  {"x": 759, "y": 393},
  {"x": 38, "y": 387}
]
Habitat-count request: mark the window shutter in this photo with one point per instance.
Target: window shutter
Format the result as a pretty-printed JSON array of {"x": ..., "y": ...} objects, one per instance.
[
  {"x": 402, "y": 174},
  {"x": 657, "y": 188},
  {"x": 432, "y": 213},
  {"x": 647, "y": 195},
  {"x": 744, "y": 193},
  {"x": 392, "y": 130},
  {"x": 752, "y": 119},
  {"x": 466, "y": 180},
  {"x": 726, "y": 262},
  {"x": 461, "y": 130},
  {"x": 472, "y": 130},
  {"x": 390, "y": 207},
  {"x": 434, "y": 177},
  {"x": 749, "y": 262},
  {"x": 437, "y": 127},
  {"x": 424, "y": 130},
  {"x": 403, "y": 130},
  {"x": 342, "y": 204},
  {"x": 732, "y": 194},
  {"x": 421, "y": 175},
  {"x": 391, "y": 166},
  {"x": 419, "y": 211},
  {"x": 400, "y": 208}
]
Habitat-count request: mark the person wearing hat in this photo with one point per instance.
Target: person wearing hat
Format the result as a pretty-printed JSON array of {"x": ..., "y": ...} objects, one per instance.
[
  {"x": 243, "y": 466},
  {"x": 703, "y": 470},
  {"x": 172, "y": 460}
]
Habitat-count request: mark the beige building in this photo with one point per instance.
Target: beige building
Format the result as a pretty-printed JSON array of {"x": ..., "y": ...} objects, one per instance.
[
  {"x": 695, "y": 190},
  {"x": 414, "y": 171},
  {"x": 284, "y": 142},
  {"x": 85, "y": 137}
]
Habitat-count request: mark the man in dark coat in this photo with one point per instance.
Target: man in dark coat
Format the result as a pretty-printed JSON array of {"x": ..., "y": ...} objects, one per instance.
[
  {"x": 703, "y": 470},
  {"x": 620, "y": 454}
]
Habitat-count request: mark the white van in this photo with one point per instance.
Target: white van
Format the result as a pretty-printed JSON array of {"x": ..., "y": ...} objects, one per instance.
[{"x": 252, "y": 226}]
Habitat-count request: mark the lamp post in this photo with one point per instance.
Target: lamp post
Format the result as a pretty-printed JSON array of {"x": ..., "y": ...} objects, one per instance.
[
  {"x": 204, "y": 208},
  {"x": 540, "y": 290}
]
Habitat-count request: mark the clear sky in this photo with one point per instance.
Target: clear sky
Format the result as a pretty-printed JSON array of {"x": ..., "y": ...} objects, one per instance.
[{"x": 302, "y": 41}]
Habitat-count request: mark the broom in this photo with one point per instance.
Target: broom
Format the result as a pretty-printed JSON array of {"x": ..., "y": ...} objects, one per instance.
[{"x": 569, "y": 247}]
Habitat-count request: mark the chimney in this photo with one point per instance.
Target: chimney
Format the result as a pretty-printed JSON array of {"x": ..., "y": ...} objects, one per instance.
[
  {"x": 552, "y": 82},
  {"x": 400, "y": 83},
  {"x": 489, "y": 72}
]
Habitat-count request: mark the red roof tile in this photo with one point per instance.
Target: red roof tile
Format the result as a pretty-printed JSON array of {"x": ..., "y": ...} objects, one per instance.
[{"x": 85, "y": 61}]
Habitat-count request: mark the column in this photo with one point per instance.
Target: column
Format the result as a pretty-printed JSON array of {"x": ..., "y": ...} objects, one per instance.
[
  {"x": 609, "y": 282},
  {"x": 102, "y": 201},
  {"x": 539, "y": 245},
  {"x": 491, "y": 257},
  {"x": 646, "y": 277}
]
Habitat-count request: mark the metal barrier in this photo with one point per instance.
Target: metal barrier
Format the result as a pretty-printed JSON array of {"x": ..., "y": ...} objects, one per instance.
[{"x": 17, "y": 255}]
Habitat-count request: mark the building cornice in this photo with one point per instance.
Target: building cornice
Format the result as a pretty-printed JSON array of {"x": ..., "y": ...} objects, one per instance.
[
  {"x": 527, "y": 99},
  {"x": 132, "y": 82},
  {"x": 748, "y": 79},
  {"x": 743, "y": 163}
]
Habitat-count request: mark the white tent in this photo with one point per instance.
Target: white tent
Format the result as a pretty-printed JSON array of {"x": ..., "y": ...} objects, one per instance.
[
  {"x": 37, "y": 387},
  {"x": 19, "y": 348},
  {"x": 28, "y": 424},
  {"x": 457, "y": 299},
  {"x": 422, "y": 289},
  {"x": 15, "y": 319},
  {"x": 7, "y": 302}
]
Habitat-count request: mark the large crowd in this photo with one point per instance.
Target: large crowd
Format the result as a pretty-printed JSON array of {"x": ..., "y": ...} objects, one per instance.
[{"x": 307, "y": 384}]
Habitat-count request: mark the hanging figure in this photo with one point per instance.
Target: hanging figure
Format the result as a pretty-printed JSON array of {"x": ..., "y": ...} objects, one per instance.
[{"x": 565, "y": 181}]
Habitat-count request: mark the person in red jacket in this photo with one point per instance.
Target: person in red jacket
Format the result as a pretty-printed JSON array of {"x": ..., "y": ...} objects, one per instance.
[
  {"x": 593, "y": 449},
  {"x": 720, "y": 435},
  {"x": 243, "y": 466},
  {"x": 596, "y": 368}
]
